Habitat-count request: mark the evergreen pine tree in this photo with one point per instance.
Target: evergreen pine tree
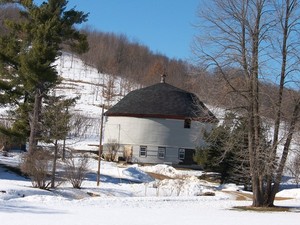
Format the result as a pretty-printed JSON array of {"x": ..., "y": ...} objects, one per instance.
[
  {"x": 55, "y": 125},
  {"x": 227, "y": 149},
  {"x": 226, "y": 146},
  {"x": 30, "y": 48}
]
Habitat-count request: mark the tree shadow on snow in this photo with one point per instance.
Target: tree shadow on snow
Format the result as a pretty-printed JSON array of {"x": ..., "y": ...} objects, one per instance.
[
  {"x": 110, "y": 179},
  {"x": 10, "y": 208},
  {"x": 11, "y": 173}
]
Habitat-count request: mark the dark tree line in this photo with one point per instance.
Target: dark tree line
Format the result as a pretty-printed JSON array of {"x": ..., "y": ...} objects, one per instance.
[
  {"x": 213, "y": 89},
  {"x": 117, "y": 55}
]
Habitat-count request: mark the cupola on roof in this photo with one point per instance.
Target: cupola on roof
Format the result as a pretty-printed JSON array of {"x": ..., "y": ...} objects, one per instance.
[{"x": 162, "y": 100}]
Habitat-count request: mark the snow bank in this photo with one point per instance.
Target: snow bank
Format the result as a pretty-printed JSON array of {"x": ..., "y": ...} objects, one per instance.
[
  {"x": 289, "y": 193},
  {"x": 162, "y": 169},
  {"x": 137, "y": 174},
  {"x": 230, "y": 187}
]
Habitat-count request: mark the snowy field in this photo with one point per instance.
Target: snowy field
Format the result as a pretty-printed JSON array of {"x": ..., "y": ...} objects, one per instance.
[{"x": 127, "y": 195}]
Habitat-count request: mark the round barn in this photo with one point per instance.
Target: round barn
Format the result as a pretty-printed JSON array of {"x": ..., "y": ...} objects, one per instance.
[{"x": 157, "y": 124}]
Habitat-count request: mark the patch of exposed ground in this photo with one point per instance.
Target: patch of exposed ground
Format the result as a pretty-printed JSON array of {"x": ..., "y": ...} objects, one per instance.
[
  {"x": 158, "y": 176},
  {"x": 243, "y": 196},
  {"x": 268, "y": 209}
]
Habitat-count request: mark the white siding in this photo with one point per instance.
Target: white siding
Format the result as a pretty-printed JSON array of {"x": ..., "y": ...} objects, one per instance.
[
  {"x": 154, "y": 132},
  {"x": 171, "y": 156}
]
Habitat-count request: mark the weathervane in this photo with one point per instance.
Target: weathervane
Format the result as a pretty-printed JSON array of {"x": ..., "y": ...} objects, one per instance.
[{"x": 163, "y": 78}]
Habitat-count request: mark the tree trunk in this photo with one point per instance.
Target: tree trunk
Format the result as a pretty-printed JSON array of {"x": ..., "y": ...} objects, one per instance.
[
  {"x": 34, "y": 121},
  {"x": 54, "y": 164},
  {"x": 64, "y": 141},
  {"x": 64, "y": 150},
  {"x": 288, "y": 9},
  {"x": 284, "y": 155},
  {"x": 255, "y": 114}
]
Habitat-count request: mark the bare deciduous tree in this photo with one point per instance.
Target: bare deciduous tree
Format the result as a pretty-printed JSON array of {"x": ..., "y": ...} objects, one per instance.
[
  {"x": 116, "y": 55},
  {"x": 259, "y": 38},
  {"x": 293, "y": 167},
  {"x": 109, "y": 91},
  {"x": 79, "y": 124}
]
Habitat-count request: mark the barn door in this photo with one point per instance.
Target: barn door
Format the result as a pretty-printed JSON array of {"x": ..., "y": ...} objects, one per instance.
[{"x": 186, "y": 156}]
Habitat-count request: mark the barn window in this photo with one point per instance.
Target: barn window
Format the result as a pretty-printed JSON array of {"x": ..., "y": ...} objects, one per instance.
[
  {"x": 161, "y": 152},
  {"x": 181, "y": 153},
  {"x": 143, "y": 151},
  {"x": 187, "y": 123}
]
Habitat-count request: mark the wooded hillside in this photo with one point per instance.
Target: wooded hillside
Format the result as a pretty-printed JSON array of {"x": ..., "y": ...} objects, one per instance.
[{"x": 116, "y": 55}]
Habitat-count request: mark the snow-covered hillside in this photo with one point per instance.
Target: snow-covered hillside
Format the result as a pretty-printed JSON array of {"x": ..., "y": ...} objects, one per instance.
[{"x": 84, "y": 81}]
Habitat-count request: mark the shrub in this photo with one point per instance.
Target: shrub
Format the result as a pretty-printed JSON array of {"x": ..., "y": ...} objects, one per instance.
[
  {"x": 112, "y": 150},
  {"x": 76, "y": 170},
  {"x": 36, "y": 165}
]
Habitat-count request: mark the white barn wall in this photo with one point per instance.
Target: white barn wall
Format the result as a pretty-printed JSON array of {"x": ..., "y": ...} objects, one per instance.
[
  {"x": 171, "y": 156},
  {"x": 154, "y": 133}
]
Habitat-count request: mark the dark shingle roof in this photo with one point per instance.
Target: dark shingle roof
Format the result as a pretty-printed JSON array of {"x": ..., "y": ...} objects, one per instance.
[{"x": 162, "y": 100}]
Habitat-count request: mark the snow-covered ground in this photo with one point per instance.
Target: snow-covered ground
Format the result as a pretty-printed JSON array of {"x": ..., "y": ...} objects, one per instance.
[{"x": 127, "y": 195}]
